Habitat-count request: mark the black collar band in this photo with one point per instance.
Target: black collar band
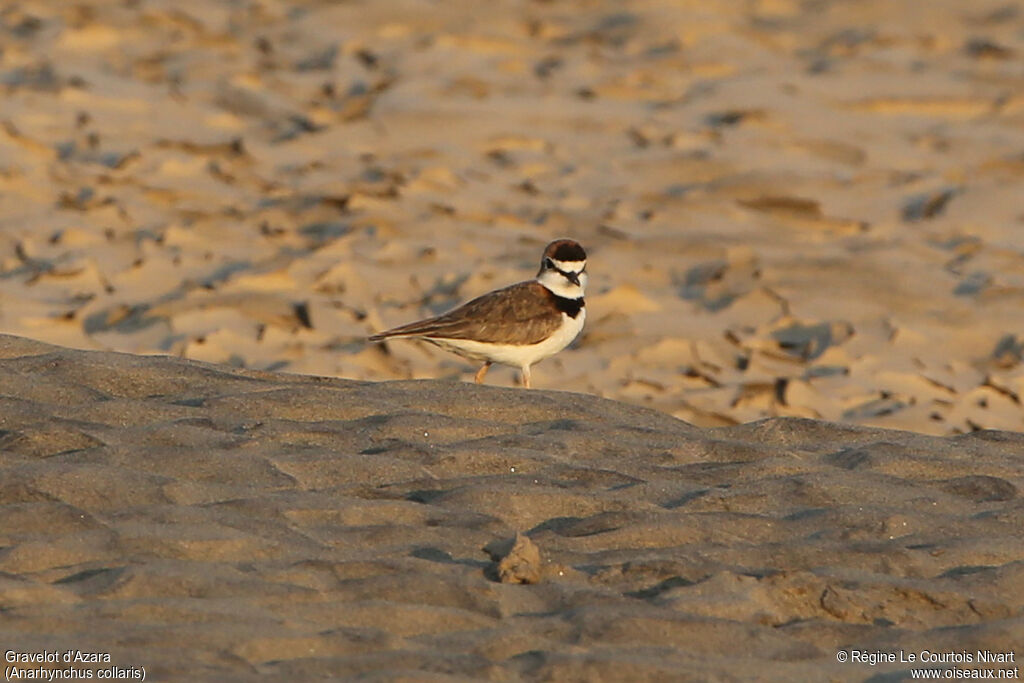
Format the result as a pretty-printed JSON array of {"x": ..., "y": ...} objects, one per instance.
[{"x": 571, "y": 307}]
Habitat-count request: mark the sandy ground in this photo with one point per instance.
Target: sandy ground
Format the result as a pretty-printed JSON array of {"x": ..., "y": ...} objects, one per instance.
[
  {"x": 802, "y": 214},
  {"x": 793, "y": 208},
  {"x": 212, "y": 524}
]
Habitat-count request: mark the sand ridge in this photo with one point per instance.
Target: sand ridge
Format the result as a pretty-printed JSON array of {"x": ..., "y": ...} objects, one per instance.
[
  {"x": 792, "y": 209},
  {"x": 212, "y": 523}
]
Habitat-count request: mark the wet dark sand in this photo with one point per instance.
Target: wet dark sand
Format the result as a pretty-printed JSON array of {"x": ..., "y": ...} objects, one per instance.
[{"x": 216, "y": 524}]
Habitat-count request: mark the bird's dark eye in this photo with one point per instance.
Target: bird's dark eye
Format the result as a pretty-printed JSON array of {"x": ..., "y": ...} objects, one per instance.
[{"x": 548, "y": 263}]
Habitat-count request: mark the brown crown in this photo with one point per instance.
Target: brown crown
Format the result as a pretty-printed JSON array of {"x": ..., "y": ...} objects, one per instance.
[{"x": 565, "y": 250}]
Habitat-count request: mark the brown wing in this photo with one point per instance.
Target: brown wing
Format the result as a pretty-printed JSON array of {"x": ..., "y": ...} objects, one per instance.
[{"x": 519, "y": 314}]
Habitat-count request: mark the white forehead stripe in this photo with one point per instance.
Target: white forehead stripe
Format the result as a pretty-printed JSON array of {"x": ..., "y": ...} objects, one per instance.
[{"x": 569, "y": 266}]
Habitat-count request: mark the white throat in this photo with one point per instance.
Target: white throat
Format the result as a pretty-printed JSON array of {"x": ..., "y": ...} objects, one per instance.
[{"x": 558, "y": 284}]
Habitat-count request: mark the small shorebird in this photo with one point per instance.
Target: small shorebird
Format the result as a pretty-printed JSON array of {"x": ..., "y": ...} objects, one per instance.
[{"x": 517, "y": 325}]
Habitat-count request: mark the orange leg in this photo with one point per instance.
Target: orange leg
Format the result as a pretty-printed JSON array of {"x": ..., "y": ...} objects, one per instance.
[
  {"x": 526, "y": 376},
  {"x": 481, "y": 372}
]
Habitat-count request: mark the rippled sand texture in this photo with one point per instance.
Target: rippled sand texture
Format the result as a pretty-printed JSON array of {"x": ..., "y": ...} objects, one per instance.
[
  {"x": 793, "y": 208},
  {"x": 212, "y": 524}
]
